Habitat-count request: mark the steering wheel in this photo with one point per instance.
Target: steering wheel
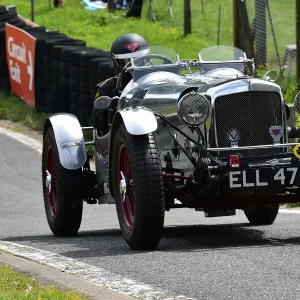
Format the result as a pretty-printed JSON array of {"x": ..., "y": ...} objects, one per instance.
[
  {"x": 163, "y": 58},
  {"x": 138, "y": 59}
]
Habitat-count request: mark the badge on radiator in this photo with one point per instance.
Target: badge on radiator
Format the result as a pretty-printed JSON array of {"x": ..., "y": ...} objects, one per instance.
[
  {"x": 276, "y": 133},
  {"x": 234, "y": 137}
]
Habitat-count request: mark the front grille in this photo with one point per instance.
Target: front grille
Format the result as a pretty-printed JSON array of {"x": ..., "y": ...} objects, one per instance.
[{"x": 252, "y": 114}]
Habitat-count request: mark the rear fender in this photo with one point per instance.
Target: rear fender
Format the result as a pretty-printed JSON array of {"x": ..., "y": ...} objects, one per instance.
[{"x": 69, "y": 139}]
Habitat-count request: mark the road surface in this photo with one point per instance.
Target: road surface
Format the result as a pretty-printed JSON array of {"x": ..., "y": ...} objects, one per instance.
[{"x": 203, "y": 258}]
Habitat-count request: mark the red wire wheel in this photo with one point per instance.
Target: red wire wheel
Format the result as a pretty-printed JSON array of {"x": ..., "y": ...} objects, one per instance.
[
  {"x": 51, "y": 181},
  {"x": 126, "y": 186},
  {"x": 62, "y": 190},
  {"x": 138, "y": 188}
]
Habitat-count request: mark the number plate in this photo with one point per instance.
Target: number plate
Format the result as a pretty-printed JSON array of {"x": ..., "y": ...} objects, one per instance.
[{"x": 263, "y": 177}]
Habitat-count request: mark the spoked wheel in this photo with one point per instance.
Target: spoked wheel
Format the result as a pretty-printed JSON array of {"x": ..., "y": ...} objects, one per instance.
[
  {"x": 62, "y": 191},
  {"x": 262, "y": 215},
  {"x": 138, "y": 189},
  {"x": 51, "y": 181},
  {"x": 126, "y": 186}
]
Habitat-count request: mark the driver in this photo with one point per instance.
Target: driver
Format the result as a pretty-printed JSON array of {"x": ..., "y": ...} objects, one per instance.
[{"x": 125, "y": 47}]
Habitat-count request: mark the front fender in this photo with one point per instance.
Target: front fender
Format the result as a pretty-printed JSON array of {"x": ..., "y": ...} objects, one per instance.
[
  {"x": 138, "y": 121},
  {"x": 69, "y": 139}
]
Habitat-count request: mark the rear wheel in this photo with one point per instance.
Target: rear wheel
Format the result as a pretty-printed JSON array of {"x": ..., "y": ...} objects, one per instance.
[
  {"x": 262, "y": 215},
  {"x": 62, "y": 191},
  {"x": 138, "y": 187}
]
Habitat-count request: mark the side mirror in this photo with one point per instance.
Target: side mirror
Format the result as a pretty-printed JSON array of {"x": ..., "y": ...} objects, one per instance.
[{"x": 271, "y": 76}]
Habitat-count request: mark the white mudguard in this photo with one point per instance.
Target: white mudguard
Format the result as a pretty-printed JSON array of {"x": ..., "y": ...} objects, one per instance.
[
  {"x": 139, "y": 121},
  {"x": 69, "y": 140}
]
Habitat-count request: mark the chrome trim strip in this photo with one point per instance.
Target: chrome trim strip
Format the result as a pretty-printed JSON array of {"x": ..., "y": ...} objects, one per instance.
[
  {"x": 253, "y": 147},
  {"x": 89, "y": 143},
  {"x": 87, "y": 128}
]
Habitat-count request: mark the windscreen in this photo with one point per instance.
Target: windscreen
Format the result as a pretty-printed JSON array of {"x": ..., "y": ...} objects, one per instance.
[{"x": 221, "y": 53}]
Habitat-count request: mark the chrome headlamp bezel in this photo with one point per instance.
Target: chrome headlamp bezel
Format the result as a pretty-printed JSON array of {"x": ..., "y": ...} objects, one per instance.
[{"x": 201, "y": 101}]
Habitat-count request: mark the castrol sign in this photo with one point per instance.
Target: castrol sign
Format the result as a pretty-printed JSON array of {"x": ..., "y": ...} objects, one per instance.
[{"x": 20, "y": 54}]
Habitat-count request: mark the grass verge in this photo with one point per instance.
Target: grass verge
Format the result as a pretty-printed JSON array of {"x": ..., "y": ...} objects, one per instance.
[
  {"x": 14, "y": 285},
  {"x": 14, "y": 109}
]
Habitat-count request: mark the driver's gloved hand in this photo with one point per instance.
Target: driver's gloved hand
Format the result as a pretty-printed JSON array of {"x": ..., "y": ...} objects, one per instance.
[
  {"x": 104, "y": 102},
  {"x": 100, "y": 112}
]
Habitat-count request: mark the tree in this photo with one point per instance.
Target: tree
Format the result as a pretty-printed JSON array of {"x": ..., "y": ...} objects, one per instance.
[
  {"x": 187, "y": 17},
  {"x": 111, "y": 5}
]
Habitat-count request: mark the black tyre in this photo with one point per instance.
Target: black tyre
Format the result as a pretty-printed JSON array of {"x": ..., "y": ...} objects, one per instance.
[
  {"x": 48, "y": 63},
  {"x": 55, "y": 65},
  {"x": 5, "y": 83},
  {"x": 140, "y": 207},
  {"x": 64, "y": 82},
  {"x": 64, "y": 69},
  {"x": 49, "y": 104},
  {"x": 84, "y": 87},
  {"x": 262, "y": 215},
  {"x": 74, "y": 109},
  {"x": 8, "y": 16},
  {"x": 85, "y": 101},
  {"x": 35, "y": 29},
  {"x": 75, "y": 72},
  {"x": 105, "y": 70},
  {"x": 64, "y": 202},
  {"x": 93, "y": 63},
  {"x": 75, "y": 97},
  {"x": 65, "y": 55},
  {"x": 84, "y": 115},
  {"x": 86, "y": 57},
  {"x": 3, "y": 9},
  {"x": 74, "y": 86}
]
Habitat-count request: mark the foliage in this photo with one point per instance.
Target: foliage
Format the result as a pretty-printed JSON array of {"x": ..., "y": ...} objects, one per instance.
[
  {"x": 289, "y": 88},
  {"x": 100, "y": 28},
  {"x": 18, "y": 287},
  {"x": 15, "y": 110}
]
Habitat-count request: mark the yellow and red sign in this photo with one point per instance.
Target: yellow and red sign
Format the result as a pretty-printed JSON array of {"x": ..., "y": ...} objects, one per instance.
[
  {"x": 296, "y": 151},
  {"x": 20, "y": 55}
]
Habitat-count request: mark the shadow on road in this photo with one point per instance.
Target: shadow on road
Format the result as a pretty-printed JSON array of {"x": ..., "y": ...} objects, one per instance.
[{"x": 175, "y": 239}]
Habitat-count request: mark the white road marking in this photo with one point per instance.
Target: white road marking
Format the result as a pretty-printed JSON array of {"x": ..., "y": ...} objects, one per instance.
[
  {"x": 289, "y": 211},
  {"x": 93, "y": 274},
  {"x": 32, "y": 143}
]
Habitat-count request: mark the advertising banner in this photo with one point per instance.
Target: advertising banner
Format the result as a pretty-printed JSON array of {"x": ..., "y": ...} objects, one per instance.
[{"x": 20, "y": 55}]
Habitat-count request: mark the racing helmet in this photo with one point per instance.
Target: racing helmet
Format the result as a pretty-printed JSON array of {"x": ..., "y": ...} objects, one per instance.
[{"x": 127, "y": 46}]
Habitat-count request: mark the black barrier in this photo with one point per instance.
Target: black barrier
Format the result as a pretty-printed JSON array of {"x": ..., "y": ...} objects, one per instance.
[{"x": 66, "y": 70}]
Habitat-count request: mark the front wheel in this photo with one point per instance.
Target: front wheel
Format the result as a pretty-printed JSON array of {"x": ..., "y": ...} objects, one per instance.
[
  {"x": 138, "y": 186},
  {"x": 262, "y": 215},
  {"x": 62, "y": 191}
]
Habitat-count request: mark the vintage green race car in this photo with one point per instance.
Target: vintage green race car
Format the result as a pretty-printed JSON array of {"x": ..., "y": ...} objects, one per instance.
[{"x": 202, "y": 133}]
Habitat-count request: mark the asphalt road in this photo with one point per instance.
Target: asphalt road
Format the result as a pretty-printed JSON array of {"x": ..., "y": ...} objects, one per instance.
[{"x": 216, "y": 258}]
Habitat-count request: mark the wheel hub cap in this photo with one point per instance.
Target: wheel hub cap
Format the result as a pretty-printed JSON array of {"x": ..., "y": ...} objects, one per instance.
[
  {"x": 48, "y": 181},
  {"x": 123, "y": 186}
]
